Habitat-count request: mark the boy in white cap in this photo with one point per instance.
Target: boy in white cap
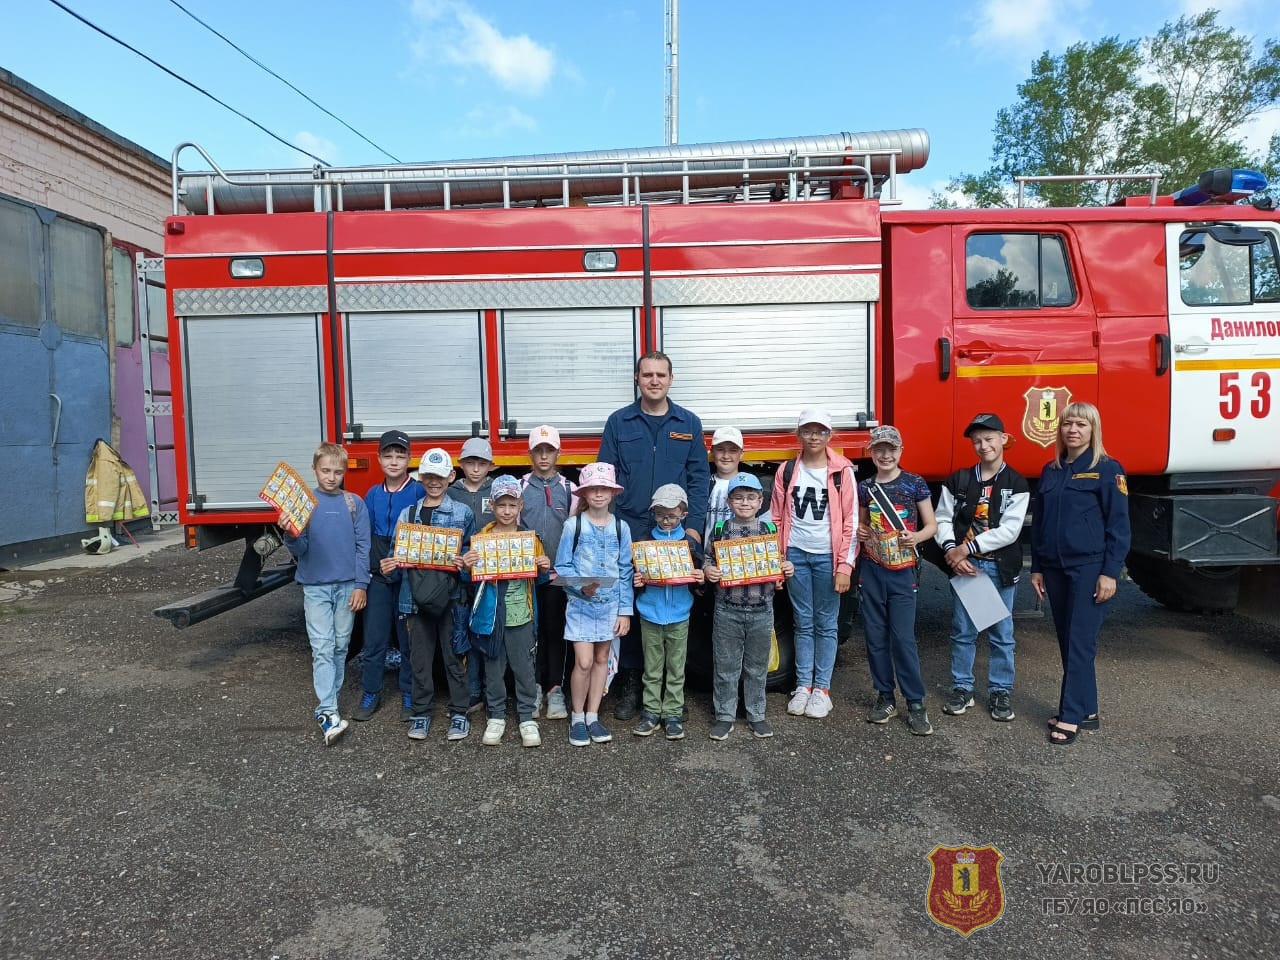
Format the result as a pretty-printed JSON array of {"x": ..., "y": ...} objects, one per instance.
[
  {"x": 548, "y": 499},
  {"x": 473, "y": 488},
  {"x": 664, "y": 622},
  {"x": 428, "y": 629}
]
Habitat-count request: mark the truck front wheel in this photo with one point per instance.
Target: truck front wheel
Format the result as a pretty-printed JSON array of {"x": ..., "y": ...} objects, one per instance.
[{"x": 1181, "y": 587}]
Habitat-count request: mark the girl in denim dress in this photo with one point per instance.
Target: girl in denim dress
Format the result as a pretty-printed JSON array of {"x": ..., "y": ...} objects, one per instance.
[{"x": 594, "y": 544}]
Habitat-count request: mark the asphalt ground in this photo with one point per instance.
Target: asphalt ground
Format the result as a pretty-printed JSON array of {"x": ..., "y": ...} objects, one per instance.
[{"x": 166, "y": 794}]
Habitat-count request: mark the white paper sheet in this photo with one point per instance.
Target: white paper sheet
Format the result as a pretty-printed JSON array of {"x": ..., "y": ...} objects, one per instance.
[{"x": 981, "y": 599}]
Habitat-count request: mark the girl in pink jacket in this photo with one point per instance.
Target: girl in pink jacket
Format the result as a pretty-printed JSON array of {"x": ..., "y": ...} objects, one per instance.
[{"x": 815, "y": 505}]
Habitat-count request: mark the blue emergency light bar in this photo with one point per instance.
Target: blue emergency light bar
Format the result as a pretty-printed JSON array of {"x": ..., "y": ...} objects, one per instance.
[{"x": 1221, "y": 185}]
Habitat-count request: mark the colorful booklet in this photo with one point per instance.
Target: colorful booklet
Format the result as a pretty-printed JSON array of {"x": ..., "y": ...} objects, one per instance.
[
  {"x": 429, "y": 548},
  {"x": 288, "y": 492},
  {"x": 667, "y": 562},
  {"x": 505, "y": 556},
  {"x": 749, "y": 560}
]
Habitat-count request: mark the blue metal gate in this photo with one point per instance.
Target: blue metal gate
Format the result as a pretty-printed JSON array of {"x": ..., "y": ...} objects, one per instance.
[{"x": 55, "y": 390}]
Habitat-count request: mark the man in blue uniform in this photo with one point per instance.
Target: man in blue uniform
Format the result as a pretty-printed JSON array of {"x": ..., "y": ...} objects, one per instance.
[{"x": 652, "y": 442}]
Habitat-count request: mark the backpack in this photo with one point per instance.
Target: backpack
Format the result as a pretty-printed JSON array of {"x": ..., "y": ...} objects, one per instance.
[
  {"x": 432, "y": 590},
  {"x": 577, "y": 531},
  {"x": 789, "y": 471}
]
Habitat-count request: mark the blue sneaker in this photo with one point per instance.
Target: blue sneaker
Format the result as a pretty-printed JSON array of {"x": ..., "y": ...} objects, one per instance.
[
  {"x": 369, "y": 705},
  {"x": 459, "y": 727},
  {"x": 419, "y": 727},
  {"x": 598, "y": 733},
  {"x": 406, "y": 707},
  {"x": 578, "y": 736},
  {"x": 332, "y": 726}
]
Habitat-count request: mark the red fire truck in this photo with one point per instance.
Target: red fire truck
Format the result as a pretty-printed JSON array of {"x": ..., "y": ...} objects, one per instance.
[{"x": 484, "y": 297}]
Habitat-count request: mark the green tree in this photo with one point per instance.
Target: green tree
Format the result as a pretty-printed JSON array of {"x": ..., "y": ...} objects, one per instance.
[{"x": 1173, "y": 104}]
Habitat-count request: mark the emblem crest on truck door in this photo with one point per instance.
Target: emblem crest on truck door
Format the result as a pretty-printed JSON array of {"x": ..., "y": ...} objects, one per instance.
[{"x": 1044, "y": 410}]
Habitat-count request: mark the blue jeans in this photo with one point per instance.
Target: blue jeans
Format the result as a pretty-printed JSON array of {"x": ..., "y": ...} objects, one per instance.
[
  {"x": 888, "y": 611},
  {"x": 817, "y": 607},
  {"x": 964, "y": 639},
  {"x": 382, "y": 621},
  {"x": 327, "y": 607}
]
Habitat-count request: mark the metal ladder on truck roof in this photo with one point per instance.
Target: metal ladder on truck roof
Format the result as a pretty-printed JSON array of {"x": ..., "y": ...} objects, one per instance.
[{"x": 794, "y": 169}]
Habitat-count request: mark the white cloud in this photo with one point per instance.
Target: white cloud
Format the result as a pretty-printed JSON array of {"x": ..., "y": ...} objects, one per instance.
[
  {"x": 916, "y": 194},
  {"x": 325, "y": 149},
  {"x": 1023, "y": 29},
  {"x": 483, "y": 123},
  {"x": 452, "y": 32}
]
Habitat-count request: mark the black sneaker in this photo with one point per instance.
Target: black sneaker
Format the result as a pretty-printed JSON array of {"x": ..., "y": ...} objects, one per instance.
[
  {"x": 1000, "y": 706},
  {"x": 647, "y": 725},
  {"x": 674, "y": 728},
  {"x": 760, "y": 729},
  {"x": 628, "y": 695},
  {"x": 883, "y": 710},
  {"x": 918, "y": 720},
  {"x": 721, "y": 729},
  {"x": 369, "y": 704},
  {"x": 959, "y": 701}
]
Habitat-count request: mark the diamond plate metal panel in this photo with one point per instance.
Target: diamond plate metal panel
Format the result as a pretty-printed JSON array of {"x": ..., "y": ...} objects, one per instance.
[
  {"x": 822, "y": 288},
  {"x": 249, "y": 301},
  {"x": 491, "y": 295}
]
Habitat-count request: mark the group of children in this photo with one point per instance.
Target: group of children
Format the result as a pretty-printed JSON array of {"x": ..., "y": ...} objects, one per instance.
[{"x": 585, "y": 598}]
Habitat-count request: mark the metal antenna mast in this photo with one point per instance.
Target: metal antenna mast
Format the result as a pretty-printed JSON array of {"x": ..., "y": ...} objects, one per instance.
[{"x": 672, "y": 111}]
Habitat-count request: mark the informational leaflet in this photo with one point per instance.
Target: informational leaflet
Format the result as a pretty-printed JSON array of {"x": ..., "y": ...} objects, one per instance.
[
  {"x": 430, "y": 548},
  {"x": 749, "y": 560},
  {"x": 981, "y": 600},
  {"x": 668, "y": 562},
  {"x": 288, "y": 492},
  {"x": 505, "y": 556}
]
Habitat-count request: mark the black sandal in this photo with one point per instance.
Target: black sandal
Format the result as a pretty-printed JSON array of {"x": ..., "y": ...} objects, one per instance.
[
  {"x": 1063, "y": 736},
  {"x": 1088, "y": 723}
]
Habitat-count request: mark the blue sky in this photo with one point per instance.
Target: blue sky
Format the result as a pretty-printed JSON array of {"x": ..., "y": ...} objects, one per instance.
[{"x": 447, "y": 79}]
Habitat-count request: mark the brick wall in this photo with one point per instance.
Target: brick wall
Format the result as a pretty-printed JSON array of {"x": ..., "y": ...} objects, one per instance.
[{"x": 53, "y": 156}]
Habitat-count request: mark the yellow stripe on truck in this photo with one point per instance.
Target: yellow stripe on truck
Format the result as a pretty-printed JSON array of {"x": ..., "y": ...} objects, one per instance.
[
  {"x": 1028, "y": 370},
  {"x": 1237, "y": 364}
]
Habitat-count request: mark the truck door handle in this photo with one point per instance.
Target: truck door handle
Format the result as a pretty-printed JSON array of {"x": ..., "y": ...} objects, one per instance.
[
  {"x": 944, "y": 353},
  {"x": 966, "y": 353},
  {"x": 1163, "y": 350}
]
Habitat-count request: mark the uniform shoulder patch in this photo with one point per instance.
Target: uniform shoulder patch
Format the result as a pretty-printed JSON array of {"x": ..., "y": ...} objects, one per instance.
[{"x": 1122, "y": 484}]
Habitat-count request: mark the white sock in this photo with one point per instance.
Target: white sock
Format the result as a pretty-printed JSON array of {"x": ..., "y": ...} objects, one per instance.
[
  {"x": 592, "y": 718},
  {"x": 577, "y": 718}
]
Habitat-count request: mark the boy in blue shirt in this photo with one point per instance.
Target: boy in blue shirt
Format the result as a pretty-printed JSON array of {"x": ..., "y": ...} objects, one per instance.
[
  {"x": 333, "y": 568},
  {"x": 427, "y": 629},
  {"x": 385, "y": 501},
  {"x": 664, "y": 622}
]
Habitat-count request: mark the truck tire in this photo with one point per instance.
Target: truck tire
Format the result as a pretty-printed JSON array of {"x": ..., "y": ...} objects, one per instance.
[{"x": 1180, "y": 587}]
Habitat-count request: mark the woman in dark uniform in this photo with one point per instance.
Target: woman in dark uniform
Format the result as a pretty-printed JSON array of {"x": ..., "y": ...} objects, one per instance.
[{"x": 1079, "y": 540}]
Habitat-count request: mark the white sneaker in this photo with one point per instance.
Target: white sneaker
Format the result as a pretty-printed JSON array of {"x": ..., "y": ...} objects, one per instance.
[
  {"x": 557, "y": 709},
  {"x": 799, "y": 700},
  {"x": 819, "y": 704},
  {"x": 529, "y": 736},
  {"x": 493, "y": 731},
  {"x": 537, "y": 701}
]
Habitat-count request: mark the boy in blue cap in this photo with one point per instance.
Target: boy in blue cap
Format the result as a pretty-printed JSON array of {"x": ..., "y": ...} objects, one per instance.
[{"x": 742, "y": 630}]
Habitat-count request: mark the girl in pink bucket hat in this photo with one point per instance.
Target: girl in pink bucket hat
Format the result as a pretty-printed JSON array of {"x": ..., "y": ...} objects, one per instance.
[{"x": 595, "y": 551}]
